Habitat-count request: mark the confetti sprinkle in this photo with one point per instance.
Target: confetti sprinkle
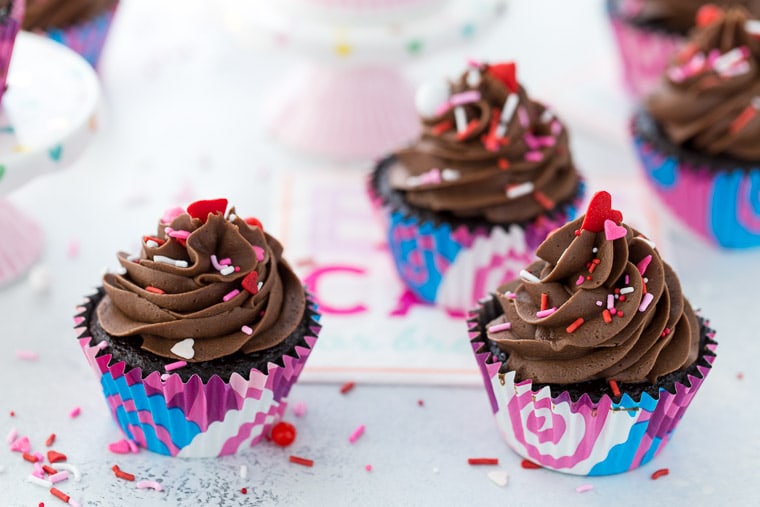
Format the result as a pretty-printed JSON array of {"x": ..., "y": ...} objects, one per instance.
[
  {"x": 348, "y": 386},
  {"x": 55, "y": 456},
  {"x": 301, "y": 461},
  {"x": 27, "y": 355},
  {"x": 615, "y": 388},
  {"x": 75, "y": 412},
  {"x": 482, "y": 461},
  {"x": 584, "y": 488},
  {"x": 118, "y": 472},
  {"x": 358, "y": 432},
  {"x": 149, "y": 485},
  {"x": 529, "y": 465},
  {"x": 243, "y": 472},
  {"x": 120, "y": 447},
  {"x": 247, "y": 330},
  {"x": 660, "y": 473},
  {"x": 499, "y": 477},
  {"x": 299, "y": 409}
]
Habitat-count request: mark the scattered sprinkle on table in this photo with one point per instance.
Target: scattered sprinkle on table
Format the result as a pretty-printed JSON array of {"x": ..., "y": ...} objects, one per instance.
[
  {"x": 301, "y": 461},
  {"x": 358, "y": 432},
  {"x": 583, "y": 488},
  {"x": 659, "y": 473},
  {"x": 347, "y": 387},
  {"x": 118, "y": 472},
  {"x": 499, "y": 477},
  {"x": 483, "y": 461},
  {"x": 529, "y": 465}
]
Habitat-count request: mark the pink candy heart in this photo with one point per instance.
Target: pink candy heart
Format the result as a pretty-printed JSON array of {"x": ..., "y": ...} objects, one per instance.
[{"x": 613, "y": 231}]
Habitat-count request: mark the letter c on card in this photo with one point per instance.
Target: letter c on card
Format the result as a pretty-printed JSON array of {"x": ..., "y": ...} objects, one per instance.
[{"x": 312, "y": 283}]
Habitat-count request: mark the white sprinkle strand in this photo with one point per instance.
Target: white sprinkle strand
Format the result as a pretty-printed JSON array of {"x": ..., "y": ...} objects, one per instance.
[
  {"x": 243, "y": 472},
  {"x": 626, "y": 290},
  {"x": 528, "y": 276},
  {"x": 450, "y": 175},
  {"x": 71, "y": 468},
  {"x": 226, "y": 270},
  {"x": 39, "y": 482},
  {"x": 515, "y": 191},
  {"x": 168, "y": 260},
  {"x": 460, "y": 116}
]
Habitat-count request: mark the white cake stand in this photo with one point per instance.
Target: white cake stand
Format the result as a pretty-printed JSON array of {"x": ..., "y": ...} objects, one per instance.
[
  {"x": 48, "y": 117},
  {"x": 351, "y": 101}
]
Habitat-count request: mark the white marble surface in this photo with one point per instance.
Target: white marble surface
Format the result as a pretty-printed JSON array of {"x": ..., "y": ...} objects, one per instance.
[{"x": 185, "y": 91}]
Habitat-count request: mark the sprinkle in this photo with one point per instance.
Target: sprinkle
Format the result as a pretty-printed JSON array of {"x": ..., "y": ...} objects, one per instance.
[
  {"x": 347, "y": 387},
  {"x": 440, "y": 128},
  {"x": 149, "y": 485},
  {"x": 368, "y": 468},
  {"x": 39, "y": 482},
  {"x": 71, "y": 468},
  {"x": 519, "y": 190},
  {"x": 450, "y": 175},
  {"x": 643, "y": 264},
  {"x": 21, "y": 444},
  {"x": 510, "y": 295},
  {"x": 584, "y": 488},
  {"x": 575, "y": 325},
  {"x": 231, "y": 294},
  {"x": 607, "y": 317},
  {"x": 168, "y": 260},
  {"x": 743, "y": 119},
  {"x": 529, "y": 465},
  {"x": 75, "y": 412},
  {"x": 243, "y": 472},
  {"x": 534, "y": 156},
  {"x": 184, "y": 348},
  {"x": 154, "y": 290},
  {"x": 120, "y": 447},
  {"x": 612, "y": 311},
  {"x": 259, "y": 252},
  {"x": 545, "y": 313},
  {"x": 522, "y": 115},
  {"x": 301, "y": 461},
  {"x": 55, "y": 457},
  {"x": 645, "y": 301},
  {"x": 175, "y": 365},
  {"x": 468, "y": 97},
  {"x": 132, "y": 447},
  {"x": 507, "y": 112},
  {"x": 544, "y": 301},
  {"x": 659, "y": 473},
  {"x": 178, "y": 235},
  {"x": 48, "y": 469},
  {"x": 60, "y": 494},
  {"x": 299, "y": 409},
  {"x": 244, "y": 491},
  {"x": 12, "y": 434},
  {"x": 358, "y": 432},
  {"x": 615, "y": 388},
  {"x": 468, "y": 130},
  {"x": 38, "y": 471},
  {"x": 482, "y": 461},
  {"x": 226, "y": 270},
  {"x": 626, "y": 290},
  {"x": 460, "y": 117},
  {"x": 30, "y": 457},
  {"x": 504, "y": 326},
  {"x": 610, "y": 302},
  {"x": 503, "y": 164},
  {"x": 499, "y": 477},
  {"x": 580, "y": 280},
  {"x": 528, "y": 276},
  {"x": 153, "y": 241},
  {"x": 217, "y": 265},
  {"x": 118, "y": 472},
  {"x": 247, "y": 330},
  {"x": 60, "y": 476},
  {"x": 27, "y": 355},
  {"x": 599, "y": 303},
  {"x": 543, "y": 200}
]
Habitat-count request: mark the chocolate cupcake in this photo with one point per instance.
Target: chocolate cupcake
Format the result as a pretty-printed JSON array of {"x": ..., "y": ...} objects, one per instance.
[
  {"x": 591, "y": 357},
  {"x": 198, "y": 342},
  {"x": 487, "y": 180}
]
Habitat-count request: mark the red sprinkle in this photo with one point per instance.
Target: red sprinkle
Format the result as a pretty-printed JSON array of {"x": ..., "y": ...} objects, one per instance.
[
  {"x": 607, "y": 316},
  {"x": 543, "y": 200},
  {"x": 615, "y": 388},
  {"x": 575, "y": 325},
  {"x": 529, "y": 465},
  {"x": 153, "y": 238},
  {"x": 122, "y": 474},
  {"x": 12, "y": 414},
  {"x": 55, "y": 457},
  {"x": 50, "y": 440},
  {"x": 420, "y": 403},
  {"x": 251, "y": 282},
  {"x": 49, "y": 470},
  {"x": 440, "y": 128},
  {"x": 347, "y": 387},
  {"x": 503, "y": 164},
  {"x": 468, "y": 130},
  {"x": 244, "y": 491},
  {"x": 254, "y": 222},
  {"x": 544, "y": 301},
  {"x": 659, "y": 473},
  {"x": 31, "y": 458},
  {"x": 154, "y": 290},
  {"x": 301, "y": 461},
  {"x": 283, "y": 433},
  {"x": 60, "y": 494},
  {"x": 483, "y": 461}
]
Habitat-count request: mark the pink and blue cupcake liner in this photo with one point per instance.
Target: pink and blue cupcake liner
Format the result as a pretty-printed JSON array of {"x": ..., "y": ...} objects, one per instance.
[
  {"x": 9, "y": 28},
  {"x": 87, "y": 38},
  {"x": 166, "y": 415},
  {"x": 721, "y": 205},
  {"x": 580, "y": 436}
]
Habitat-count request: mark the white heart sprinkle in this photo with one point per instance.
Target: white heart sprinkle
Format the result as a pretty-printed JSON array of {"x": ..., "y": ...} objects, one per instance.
[
  {"x": 184, "y": 349},
  {"x": 499, "y": 477}
]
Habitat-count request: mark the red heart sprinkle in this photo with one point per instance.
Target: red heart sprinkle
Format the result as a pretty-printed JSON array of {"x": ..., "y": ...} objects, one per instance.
[
  {"x": 707, "y": 14},
  {"x": 251, "y": 282},
  {"x": 254, "y": 222},
  {"x": 599, "y": 210},
  {"x": 202, "y": 209},
  {"x": 55, "y": 457},
  {"x": 506, "y": 73}
]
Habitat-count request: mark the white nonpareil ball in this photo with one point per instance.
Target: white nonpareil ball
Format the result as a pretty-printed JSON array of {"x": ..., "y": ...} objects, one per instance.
[{"x": 430, "y": 96}]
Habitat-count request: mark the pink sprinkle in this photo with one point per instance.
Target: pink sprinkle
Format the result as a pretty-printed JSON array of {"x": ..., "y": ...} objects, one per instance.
[
  {"x": 500, "y": 327},
  {"x": 545, "y": 313},
  {"x": 644, "y": 263},
  {"x": 247, "y": 330},
  {"x": 299, "y": 409},
  {"x": 12, "y": 434},
  {"x": 510, "y": 295},
  {"x": 231, "y": 294},
  {"x": 74, "y": 503},
  {"x": 60, "y": 476},
  {"x": 175, "y": 365},
  {"x": 534, "y": 156},
  {"x": 584, "y": 488},
  {"x": 356, "y": 434},
  {"x": 259, "y": 253},
  {"x": 75, "y": 412},
  {"x": 645, "y": 301},
  {"x": 226, "y": 261},
  {"x": 556, "y": 127},
  {"x": 38, "y": 471},
  {"x": 165, "y": 376},
  {"x": 177, "y": 234},
  {"x": 580, "y": 280},
  {"x": 467, "y": 97},
  {"x": 610, "y": 302},
  {"x": 627, "y": 279},
  {"x": 170, "y": 214},
  {"x": 613, "y": 311},
  {"x": 120, "y": 447},
  {"x": 215, "y": 263},
  {"x": 39, "y": 456},
  {"x": 27, "y": 355},
  {"x": 21, "y": 445},
  {"x": 522, "y": 115},
  {"x": 133, "y": 447},
  {"x": 599, "y": 303},
  {"x": 368, "y": 468},
  {"x": 149, "y": 485}
]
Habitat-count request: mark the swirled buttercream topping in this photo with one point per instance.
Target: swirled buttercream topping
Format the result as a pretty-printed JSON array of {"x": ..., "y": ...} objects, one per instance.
[
  {"x": 486, "y": 150},
  {"x": 599, "y": 303},
  {"x": 46, "y": 14},
  {"x": 204, "y": 287},
  {"x": 709, "y": 99},
  {"x": 676, "y": 15}
]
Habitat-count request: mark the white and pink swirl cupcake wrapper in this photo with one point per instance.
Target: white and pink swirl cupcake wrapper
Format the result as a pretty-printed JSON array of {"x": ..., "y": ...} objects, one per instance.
[
  {"x": 583, "y": 437},
  {"x": 166, "y": 415}
]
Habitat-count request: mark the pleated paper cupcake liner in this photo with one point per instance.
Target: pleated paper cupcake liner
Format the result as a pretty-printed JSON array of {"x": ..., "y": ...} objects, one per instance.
[
  {"x": 719, "y": 199},
  {"x": 8, "y": 31},
  {"x": 588, "y": 433},
  {"x": 86, "y": 38},
  {"x": 193, "y": 418}
]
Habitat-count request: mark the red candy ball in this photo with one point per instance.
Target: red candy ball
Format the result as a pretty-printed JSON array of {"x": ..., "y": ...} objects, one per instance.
[
  {"x": 707, "y": 14},
  {"x": 283, "y": 434}
]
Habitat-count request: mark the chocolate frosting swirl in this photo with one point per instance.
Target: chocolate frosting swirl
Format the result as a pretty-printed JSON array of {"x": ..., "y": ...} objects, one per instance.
[
  {"x": 505, "y": 166},
  {"x": 675, "y": 15},
  {"x": 619, "y": 311},
  {"x": 252, "y": 303},
  {"x": 709, "y": 99},
  {"x": 46, "y": 14}
]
